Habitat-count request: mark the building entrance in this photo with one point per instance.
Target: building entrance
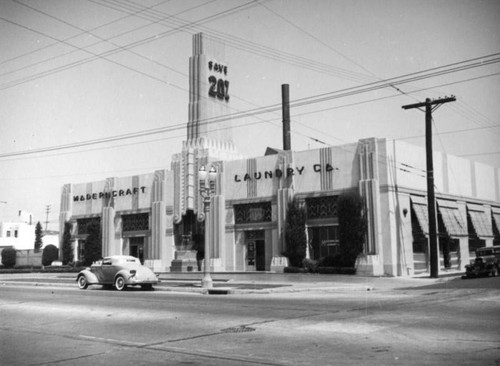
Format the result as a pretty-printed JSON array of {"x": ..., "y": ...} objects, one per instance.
[
  {"x": 256, "y": 249},
  {"x": 136, "y": 245}
]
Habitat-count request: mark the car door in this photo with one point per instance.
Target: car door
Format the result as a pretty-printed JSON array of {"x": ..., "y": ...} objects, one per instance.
[{"x": 107, "y": 271}]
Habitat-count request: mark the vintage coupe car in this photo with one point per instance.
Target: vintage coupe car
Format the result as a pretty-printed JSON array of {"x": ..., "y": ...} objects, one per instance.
[
  {"x": 486, "y": 263},
  {"x": 119, "y": 271}
]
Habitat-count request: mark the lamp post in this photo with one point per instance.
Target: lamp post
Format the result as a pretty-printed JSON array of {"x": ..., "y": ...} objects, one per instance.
[{"x": 207, "y": 191}]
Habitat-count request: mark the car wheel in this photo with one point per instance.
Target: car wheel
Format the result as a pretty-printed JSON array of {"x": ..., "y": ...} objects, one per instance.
[
  {"x": 147, "y": 287},
  {"x": 82, "y": 283},
  {"x": 120, "y": 283}
]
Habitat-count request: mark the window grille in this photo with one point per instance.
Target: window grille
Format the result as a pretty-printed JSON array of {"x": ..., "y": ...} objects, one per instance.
[
  {"x": 83, "y": 224},
  {"x": 321, "y": 207},
  {"x": 135, "y": 222},
  {"x": 253, "y": 212}
]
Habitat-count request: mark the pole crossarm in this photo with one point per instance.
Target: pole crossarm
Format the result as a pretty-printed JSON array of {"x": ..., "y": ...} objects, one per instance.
[{"x": 430, "y": 102}]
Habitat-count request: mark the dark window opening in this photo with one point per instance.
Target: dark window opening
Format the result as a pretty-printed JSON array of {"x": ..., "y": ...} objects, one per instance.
[
  {"x": 321, "y": 207},
  {"x": 253, "y": 212},
  {"x": 135, "y": 222},
  {"x": 83, "y": 224}
]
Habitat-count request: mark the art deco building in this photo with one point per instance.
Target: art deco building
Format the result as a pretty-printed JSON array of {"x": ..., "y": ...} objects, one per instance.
[{"x": 160, "y": 216}]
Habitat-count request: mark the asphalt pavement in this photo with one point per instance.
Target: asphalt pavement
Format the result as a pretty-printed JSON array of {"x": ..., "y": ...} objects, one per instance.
[{"x": 248, "y": 282}]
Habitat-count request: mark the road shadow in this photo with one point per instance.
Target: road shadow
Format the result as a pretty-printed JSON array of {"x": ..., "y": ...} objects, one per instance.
[{"x": 460, "y": 283}]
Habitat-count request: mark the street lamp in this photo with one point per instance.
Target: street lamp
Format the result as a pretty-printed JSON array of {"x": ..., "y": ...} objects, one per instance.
[{"x": 207, "y": 191}]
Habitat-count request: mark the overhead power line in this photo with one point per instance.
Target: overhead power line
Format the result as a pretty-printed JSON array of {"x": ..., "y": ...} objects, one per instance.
[
  {"x": 257, "y": 111},
  {"x": 105, "y": 55},
  {"x": 236, "y": 42}
]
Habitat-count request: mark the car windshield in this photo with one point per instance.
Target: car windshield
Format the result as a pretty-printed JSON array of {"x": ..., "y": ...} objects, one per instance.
[{"x": 126, "y": 260}]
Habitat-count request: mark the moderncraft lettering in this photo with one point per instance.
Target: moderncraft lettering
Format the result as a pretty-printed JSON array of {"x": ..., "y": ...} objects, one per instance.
[
  {"x": 114, "y": 193},
  {"x": 279, "y": 173}
]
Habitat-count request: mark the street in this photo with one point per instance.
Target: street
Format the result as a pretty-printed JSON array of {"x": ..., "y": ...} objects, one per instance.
[{"x": 455, "y": 322}]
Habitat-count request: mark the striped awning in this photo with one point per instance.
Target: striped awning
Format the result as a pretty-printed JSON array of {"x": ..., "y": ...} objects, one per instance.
[
  {"x": 495, "y": 212},
  {"x": 480, "y": 220},
  {"x": 454, "y": 222},
  {"x": 419, "y": 205}
]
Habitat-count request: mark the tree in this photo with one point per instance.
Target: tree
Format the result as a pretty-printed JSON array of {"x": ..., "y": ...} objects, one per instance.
[
  {"x": 295, "y": 234},
  {"x": 67, "y": 247},
  {"x": 38, "y": 237},
  {"x": 352, "y": 227},
  {"x": 93, "y": 244},
  {"x": 50, "y": 254},
  {"x": 9, "y": 257}
]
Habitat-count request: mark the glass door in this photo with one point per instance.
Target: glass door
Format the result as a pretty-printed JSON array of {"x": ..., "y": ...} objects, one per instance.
[{"x": 136, "y": 245}]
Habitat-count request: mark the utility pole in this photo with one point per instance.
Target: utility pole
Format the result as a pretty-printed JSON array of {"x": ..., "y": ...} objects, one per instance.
[
  {"x": 430, "y": 106},
  {"x": 47, "y": 211}
]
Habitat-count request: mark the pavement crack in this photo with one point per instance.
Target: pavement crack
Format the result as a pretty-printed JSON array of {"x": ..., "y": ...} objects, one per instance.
[
  {"x": 68, "y": 359},
  {"x": 186, "y": 338}
]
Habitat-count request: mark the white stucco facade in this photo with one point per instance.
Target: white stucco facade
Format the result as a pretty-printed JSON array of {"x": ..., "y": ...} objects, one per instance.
[{"x": 160, "y": 216}]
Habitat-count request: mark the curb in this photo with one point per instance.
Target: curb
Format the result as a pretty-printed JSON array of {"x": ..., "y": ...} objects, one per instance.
[{"x": 228, "y": 290}]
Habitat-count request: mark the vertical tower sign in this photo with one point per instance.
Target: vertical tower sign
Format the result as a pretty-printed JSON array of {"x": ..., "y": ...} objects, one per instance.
[{"x": 209, "y": 92}]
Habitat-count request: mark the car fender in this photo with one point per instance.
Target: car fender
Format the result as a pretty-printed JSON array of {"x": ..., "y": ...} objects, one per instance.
[
  {"x": 125, "y": 273},
  {"x": 91, "y": 277}
]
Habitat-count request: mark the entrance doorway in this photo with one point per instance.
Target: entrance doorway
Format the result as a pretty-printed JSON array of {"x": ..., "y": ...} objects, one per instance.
[
  {"x": 256, "y": 249},
  {"x": 136, "y": 245}
]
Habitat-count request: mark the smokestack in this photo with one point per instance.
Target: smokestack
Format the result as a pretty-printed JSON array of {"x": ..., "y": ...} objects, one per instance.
[{"x": 285, "y": 100}]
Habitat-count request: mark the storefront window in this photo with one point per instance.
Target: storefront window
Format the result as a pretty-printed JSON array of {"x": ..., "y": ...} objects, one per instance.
[{"x": 324, "y": 241}]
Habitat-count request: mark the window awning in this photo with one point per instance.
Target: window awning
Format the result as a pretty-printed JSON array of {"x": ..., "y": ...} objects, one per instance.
[
  {"x": 480, "y": 220},
  {"x": 495, "y": 211},
  {"x": 419, "y": 205},
  {"x": 453, "y": 221}
]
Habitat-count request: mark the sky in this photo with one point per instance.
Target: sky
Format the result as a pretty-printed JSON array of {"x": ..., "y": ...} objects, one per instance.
[{"x": 91, "y": 89}]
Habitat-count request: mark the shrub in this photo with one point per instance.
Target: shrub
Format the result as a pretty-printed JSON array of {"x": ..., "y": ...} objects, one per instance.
[
  {"x": 310, "y": 265},
  {"x": 292, "y": 269},
  {"x": 295, "y": 234},
  {"x": 352, "y": 227},
  {"x": 93, "y": 244},
  {"x": 67, "y": 247},
  {"x": 50, "y": 254},
  {"x": 38, "y": 237},
  {"x": 9, "y": 257},
  {"x": 337, "y": 270},
  {"x": 328, "y": 261}
]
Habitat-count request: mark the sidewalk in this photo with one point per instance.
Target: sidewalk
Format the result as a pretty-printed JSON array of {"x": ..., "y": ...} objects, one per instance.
[{"x": 244, "y": 283}]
